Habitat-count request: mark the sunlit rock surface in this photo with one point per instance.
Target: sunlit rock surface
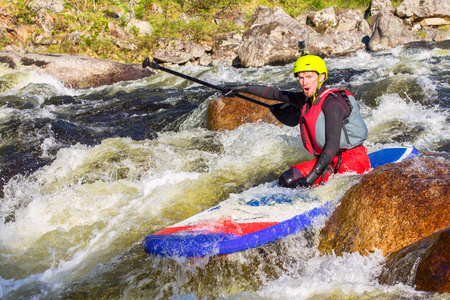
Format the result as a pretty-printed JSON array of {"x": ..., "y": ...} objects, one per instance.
[
  {"x": 226, "y": 113},
  {"x": 75, "y": 71},
  {"x": 392, "y": 207}
]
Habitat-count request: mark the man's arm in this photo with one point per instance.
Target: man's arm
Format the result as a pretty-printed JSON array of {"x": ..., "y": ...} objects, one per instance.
[
  {"x": 270, "y": 93},
  {"x": 335, "y": 110}
]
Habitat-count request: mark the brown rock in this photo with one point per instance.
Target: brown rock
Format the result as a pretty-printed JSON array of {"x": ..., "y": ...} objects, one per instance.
[
  {"x": 392, "y": 207},
  {"x": 229, "y": 113},
  {"x": 433, "y": 273},
  {"x": 75, "y": 71},
  {"x": 424, "y": 264}
]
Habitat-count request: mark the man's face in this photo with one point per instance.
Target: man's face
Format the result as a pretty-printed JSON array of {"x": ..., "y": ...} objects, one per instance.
[{"x": 308, "y": 81}]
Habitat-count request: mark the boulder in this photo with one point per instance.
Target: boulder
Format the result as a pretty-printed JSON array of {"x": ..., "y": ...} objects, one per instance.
[
  {"x": 433, "y": 272},
  {"x": 434, "y": 22},
  {"x": 265, "y": 15},
  {"x": 353, "y": 27},
  {"x": 272, "y": 38},
  {"x": 436, "y": 35},
  {"x": 171, "y": 56},
  {"x": 424, "y": 264},
  {"x": 333, "y": 43},
  {"x": 423, "y": 9},
  {"x": 323, "y": 17},
  {"x": 226, "y": 113},
  {"x": 143, "y": 28},
  {"x": 392, "y": 207},
  {"x": 389, "y": 32},
  {"x": 56, "y": 6},
  {"x": 226, "y": 46},
  {"x": 195, "y": 49},
  {"x": 74, "y": 71}
]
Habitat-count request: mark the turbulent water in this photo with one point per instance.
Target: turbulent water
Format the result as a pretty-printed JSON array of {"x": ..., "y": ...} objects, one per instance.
[{"x": 87, "y": 174}]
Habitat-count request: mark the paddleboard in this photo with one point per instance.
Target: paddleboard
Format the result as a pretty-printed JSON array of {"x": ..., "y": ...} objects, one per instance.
[{"x": 252, "y": 218}]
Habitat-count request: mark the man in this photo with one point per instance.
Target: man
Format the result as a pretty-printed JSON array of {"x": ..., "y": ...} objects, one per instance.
[{"x": 331, "y": 125}]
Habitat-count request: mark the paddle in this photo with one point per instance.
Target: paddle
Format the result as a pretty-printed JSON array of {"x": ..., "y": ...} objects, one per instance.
[{"x": 285, "y": 113}]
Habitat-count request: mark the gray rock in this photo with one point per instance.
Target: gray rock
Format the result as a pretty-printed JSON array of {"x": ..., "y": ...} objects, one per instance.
[
  {"x": 423, "y": 9},
  {"x": 378, "y": 6},
  {"x": 171, "y": 56},
  {"x": 49, "y": 5},
  {"x": 144, "y": 28},
  {"x": 227, "y": 44},
  {"x": 272, "y": 38},
  {"x": 75, "y": 71},
  {"x": 205, "y": 60},
  {"x": 322, "y": 17},
  {"x": 389, "y": 32},
  {"x": 195, "y": 49}
]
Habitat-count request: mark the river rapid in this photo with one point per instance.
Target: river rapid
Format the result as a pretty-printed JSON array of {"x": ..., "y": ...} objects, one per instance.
[{"x": 87, "y": 174}]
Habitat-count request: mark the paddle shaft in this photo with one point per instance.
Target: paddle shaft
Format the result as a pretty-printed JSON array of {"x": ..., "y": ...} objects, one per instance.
[{"x": 154, "y": 65}]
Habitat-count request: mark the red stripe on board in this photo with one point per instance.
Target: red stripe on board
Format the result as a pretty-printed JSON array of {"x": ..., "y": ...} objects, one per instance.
[{"x": 227, "y": 226}]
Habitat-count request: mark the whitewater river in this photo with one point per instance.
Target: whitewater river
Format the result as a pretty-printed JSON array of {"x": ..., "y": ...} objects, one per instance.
[{"x": 87, "y": 174}]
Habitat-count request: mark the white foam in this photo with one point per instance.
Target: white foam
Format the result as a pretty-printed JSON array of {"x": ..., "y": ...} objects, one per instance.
[
  {"x": 332, "y": 276},
  {"x": 392, "y": 111}
]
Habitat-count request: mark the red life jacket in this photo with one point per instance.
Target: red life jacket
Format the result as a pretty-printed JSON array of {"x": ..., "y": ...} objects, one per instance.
[{"x": 312, "y": 123}]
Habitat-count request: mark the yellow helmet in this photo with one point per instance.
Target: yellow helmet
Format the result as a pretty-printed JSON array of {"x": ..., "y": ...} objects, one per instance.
[{"x": 310, "y": 63}]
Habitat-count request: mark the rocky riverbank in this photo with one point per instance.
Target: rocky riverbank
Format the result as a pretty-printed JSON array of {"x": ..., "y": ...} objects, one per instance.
[
  {"x": 268, "y": 37},
  {"x": 272, "y": 35}
]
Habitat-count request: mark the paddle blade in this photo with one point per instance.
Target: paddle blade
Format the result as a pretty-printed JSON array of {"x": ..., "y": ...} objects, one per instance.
[
  {"x": 146, "y": 63},
  {"x": 286, "y": 113}
]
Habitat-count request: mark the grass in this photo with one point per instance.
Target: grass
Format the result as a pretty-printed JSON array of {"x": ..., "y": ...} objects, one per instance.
[{"x": 91, "y": 18}]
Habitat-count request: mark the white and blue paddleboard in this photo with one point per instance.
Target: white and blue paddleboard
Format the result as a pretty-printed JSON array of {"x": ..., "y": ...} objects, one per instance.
[{"x": 244, "y": 222}]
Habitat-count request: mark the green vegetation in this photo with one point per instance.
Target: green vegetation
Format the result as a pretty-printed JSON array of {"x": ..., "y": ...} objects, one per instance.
[{"x": 179, "y": 19}]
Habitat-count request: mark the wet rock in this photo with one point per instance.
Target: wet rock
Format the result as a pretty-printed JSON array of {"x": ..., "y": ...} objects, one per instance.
[
  {"x": 226, "y": 113},
  {"x": 392, "y": 207},
  {"x": 389, "y": 32},
  {"x": 433, "y": 273},
  {"x": 424, "y": 264},
  {"x": 75, "y": 71}
]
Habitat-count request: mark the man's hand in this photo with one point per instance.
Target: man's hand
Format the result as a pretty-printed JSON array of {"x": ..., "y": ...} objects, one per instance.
[
  {"x": 232, "y": 90},
  {"x": 302, "y": 182}
]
